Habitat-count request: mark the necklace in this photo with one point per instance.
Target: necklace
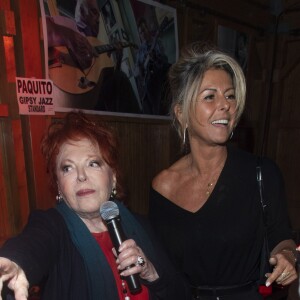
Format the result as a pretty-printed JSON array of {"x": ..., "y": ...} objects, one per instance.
[
  {"x": 209, "y": 188},
  {"x": 213, "y": 179}
]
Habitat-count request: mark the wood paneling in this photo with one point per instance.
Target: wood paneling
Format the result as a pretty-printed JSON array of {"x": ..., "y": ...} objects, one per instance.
[
  {"x": 9, "y": 58},
  {"x": 5, "y": 230},
  {"x": 29, "y": 13},
  {"x": 240, "y": 12},
  {"x": 5, "y": 4},
  {"x": 287, "y": 138},
  {"x": 283, "y": 143},
  {"x": 20, "y": 171},
  {"x": 7, "y": 22},
  {"x": 3, "y": 110}
]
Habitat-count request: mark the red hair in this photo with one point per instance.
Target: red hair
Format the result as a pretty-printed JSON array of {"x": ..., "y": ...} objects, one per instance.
[{"x": 74, "y": 127}]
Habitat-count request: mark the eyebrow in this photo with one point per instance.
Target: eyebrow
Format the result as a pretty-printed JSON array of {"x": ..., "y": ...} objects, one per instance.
[{"x": 214, "y": 90}]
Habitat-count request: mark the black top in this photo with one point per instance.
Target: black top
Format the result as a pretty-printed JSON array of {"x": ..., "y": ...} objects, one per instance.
[
  {"x": 220, "y": 244},
  {"x": 49, "y": 258}
]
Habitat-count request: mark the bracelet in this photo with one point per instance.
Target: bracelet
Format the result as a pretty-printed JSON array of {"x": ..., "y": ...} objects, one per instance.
[{"x": 293, "y": 254}]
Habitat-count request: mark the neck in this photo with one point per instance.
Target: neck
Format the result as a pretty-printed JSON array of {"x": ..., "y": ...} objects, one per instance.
[
  {"x": 206, "y": 159},
  {"x": 94, "y": 224}
]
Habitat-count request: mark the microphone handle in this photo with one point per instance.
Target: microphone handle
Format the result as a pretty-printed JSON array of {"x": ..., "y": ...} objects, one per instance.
[{"x": 118, "y": 236}]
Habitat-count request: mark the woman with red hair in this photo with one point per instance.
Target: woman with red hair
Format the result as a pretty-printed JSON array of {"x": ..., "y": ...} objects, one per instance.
[{"x": 67, "y": 250}]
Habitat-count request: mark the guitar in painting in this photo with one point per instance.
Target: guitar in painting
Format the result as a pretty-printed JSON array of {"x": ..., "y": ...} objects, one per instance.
[{"x": 71, "y": 76}]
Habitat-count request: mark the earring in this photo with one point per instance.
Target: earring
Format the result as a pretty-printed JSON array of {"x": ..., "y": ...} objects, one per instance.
[
  {"x": 184, "y": 135},
  {"x": 231, "y": 135},
  {"x": 113, "y": 193},
  {"x": 59, "y": 197}
]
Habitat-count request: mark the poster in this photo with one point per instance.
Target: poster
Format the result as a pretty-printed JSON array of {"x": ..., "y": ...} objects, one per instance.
[
  {"x": 108, "y": 55},
  {"x": 35, "y": 96}
]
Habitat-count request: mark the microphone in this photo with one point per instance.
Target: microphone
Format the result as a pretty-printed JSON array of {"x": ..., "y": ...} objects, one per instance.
[{"x": 109, "y": 212}]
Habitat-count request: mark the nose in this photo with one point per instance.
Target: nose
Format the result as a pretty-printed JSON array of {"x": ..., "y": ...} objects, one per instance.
[
  {"x": 81, "y": 176},
  {"x": 223, "y": 103}
]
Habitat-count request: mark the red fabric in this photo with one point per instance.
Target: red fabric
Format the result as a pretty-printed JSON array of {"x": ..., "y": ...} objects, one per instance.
[
  {"x": 105, "y": 243},
  {"x": 265, "y": 290}
]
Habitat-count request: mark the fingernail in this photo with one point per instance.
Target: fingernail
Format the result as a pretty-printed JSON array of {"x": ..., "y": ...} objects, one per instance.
[{"x": 268, "y": 283}]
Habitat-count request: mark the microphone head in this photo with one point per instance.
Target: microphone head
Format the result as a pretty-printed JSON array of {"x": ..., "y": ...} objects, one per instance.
[{"x": 109, "y": 210}]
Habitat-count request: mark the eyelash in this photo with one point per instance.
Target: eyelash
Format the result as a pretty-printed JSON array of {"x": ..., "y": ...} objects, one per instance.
[
  {"x": 66, "y": 168},
  {"x": 231, "y": 97},
  {"x": 210, "y": 97},
  {"x": 93, "y": 163}
]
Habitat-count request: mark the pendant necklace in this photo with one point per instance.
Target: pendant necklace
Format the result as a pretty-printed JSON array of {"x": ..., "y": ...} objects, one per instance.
[
  {"x": 210, "y": 184},
  {"x": 209, "y": 188}
]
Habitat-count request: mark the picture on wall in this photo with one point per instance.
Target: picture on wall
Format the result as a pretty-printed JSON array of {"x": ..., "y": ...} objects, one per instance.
[
  {"x": 108, "y": 55},
  {"x": 235, "y": 43}
]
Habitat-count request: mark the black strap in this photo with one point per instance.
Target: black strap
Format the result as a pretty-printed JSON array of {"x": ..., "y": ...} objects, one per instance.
[
  {"x": 259, "y": 179},
  {"x": 264, "y": 264}
]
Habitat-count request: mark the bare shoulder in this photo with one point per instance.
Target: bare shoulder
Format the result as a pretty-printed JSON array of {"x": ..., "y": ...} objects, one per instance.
[{"x": 166, "y": 181}]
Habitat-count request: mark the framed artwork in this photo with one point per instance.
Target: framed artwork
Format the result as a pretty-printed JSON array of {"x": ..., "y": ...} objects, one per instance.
[
  {"x": 109, "y": 55},
  {"x": 235, "y": 43}
]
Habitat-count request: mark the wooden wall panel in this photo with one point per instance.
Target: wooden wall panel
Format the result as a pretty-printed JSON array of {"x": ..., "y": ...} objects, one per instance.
[
  {"x": 20, "y": 171},
  {"x": 284, "y": 132},
  {"x": 29, "y": 48},
  {"x": 29, "y": 27},
  {"x": 9, "y": 58},
  {"x": 203, "y": 24},
  {"x": 144, "y": 150},
  {"x": 289, "y": 164},
  {"x": 3, "y": 110},
  {"x": 9, "y": 182},
  {"x": 36, "y": 128},
  {"x": 5, "y": 228},
  {"x": 7, "y": 22},
  {"x": 5, "y": 4}
]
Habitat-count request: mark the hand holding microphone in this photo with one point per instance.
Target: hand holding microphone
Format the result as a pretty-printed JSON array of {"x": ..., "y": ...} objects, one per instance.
[
  {"x": 131, "y": 258},
  {"x": 131, "y": 254},
  {"x": 109, "y": 212}
]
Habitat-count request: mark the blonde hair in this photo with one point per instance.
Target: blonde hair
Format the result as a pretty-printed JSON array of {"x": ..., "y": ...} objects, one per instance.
[{"x": 186, "y": 75}]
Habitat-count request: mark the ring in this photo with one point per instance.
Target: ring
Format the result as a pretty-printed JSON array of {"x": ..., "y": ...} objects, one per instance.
[
  {"x": 284, "y": 274},
  {"x": 140, "y": 261}
]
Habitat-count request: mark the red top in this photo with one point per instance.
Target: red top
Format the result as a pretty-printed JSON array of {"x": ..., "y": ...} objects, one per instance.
[{"x": 105, "y": 243}]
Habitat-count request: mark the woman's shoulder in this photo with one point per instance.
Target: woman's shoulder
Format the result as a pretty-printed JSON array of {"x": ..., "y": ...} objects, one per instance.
[
  {"x": 248, "y": 162},
  {"x": 163, "y": 182},
  {"x": 244, "y": 155},
  {"x": 49, "y": 218}
]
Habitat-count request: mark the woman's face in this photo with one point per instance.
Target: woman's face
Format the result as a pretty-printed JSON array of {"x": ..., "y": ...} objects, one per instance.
[
  {"x": 214, "y": 116},
  {"x": 84, "y": 178}
]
